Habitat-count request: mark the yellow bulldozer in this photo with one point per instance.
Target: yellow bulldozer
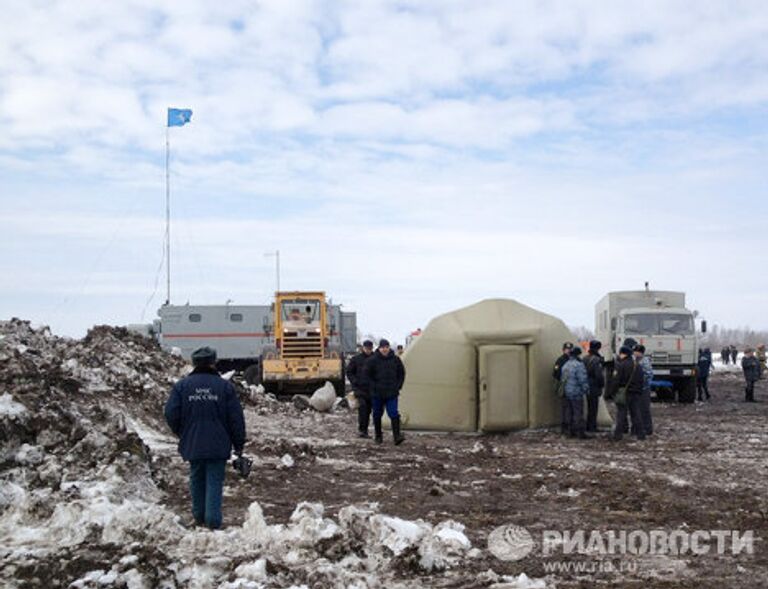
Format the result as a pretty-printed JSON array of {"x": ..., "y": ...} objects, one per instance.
[{"x": 307, "y": 349}]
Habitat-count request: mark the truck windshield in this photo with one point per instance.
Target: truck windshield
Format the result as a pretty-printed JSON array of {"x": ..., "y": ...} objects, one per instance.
[
  {"x": 301, "y": 311},
  {"x": 658, "y": 324}
]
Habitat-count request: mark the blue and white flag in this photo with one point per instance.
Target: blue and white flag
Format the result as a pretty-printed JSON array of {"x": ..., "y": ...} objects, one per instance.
[{"x": 178, "y": 117}]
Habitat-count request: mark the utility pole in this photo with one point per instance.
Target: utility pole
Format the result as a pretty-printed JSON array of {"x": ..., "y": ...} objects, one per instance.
[
  {"x": 167, "y": 216},
  {"x": 276, "y": 254}
]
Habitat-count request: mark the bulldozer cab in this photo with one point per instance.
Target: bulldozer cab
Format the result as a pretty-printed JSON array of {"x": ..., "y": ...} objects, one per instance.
[{"x": 301, "y": 313}]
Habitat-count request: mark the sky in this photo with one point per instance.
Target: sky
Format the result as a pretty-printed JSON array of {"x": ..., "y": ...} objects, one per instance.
[{"x": 407, "y": 157}]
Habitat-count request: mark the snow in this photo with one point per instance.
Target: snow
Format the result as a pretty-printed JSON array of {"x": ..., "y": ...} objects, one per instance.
[
  {"x": 323, "y": 398},
  {"x": 9, "y": 407},
  {"x": 522, "y": 581},
  {"x": 83, "y": 477}
]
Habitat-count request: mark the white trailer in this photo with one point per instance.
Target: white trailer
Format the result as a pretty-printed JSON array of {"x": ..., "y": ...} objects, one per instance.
[{"x": 239, "y": 333}]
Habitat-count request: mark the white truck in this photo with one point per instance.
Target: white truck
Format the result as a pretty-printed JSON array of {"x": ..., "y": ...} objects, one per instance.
[{"x": 660, "y": 321}]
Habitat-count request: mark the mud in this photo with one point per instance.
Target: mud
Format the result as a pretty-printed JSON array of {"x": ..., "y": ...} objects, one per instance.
[{"x": 93, "y": 494}]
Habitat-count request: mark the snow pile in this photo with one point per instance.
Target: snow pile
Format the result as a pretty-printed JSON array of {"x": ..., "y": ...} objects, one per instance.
[
  {"x": 85, "y": 463},
  {"x": 361, "y": 548}
]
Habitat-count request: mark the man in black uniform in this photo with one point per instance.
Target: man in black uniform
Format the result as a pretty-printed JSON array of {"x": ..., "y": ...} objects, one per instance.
[
  {"x": 629, "y": 375},
  {"x": 556, "y": 373},
  {"x": 596, "y": 376},
  {"x": 358, "y": 378}
]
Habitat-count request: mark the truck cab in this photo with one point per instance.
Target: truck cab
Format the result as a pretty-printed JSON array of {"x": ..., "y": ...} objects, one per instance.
[
  {"x": 660, "y": 321},
  {"x": 668, "y": 334}
]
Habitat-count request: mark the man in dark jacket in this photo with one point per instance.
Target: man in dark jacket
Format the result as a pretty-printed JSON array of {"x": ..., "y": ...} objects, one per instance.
[
  {"x": 596, "y": 375},
  {"x": 734, "y": 354},
  {"x": 204, "y": 412},
  {"x": 751, "y": 367},
  {"x": 702, "y": 374},
  {"x": 386, "y": 375},
  {"x": 725, "y": 355},
  {"x": 630, "y": 375},
  {"x": 644, "y": 362},
  {"x": 556, "y": 373},
  {"x": 358, "y": 378}
]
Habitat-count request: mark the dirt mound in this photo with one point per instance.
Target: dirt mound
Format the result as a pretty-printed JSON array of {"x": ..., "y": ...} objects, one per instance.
[{"x": 92, "y": 488}]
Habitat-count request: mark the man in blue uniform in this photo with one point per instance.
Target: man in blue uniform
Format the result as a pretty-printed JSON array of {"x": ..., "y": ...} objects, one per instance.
[{"x": 204, "y": 412}]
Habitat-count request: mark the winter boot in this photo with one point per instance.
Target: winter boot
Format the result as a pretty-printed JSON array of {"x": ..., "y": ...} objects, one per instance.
[
  {"x": 396, "y": 435},
  {"x": 378, "y": 437}
]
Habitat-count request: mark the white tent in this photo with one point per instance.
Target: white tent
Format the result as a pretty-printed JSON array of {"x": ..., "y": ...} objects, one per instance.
[{"x": 486, "y": 367}]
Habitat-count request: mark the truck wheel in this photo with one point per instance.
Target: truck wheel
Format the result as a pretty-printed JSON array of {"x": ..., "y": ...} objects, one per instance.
[
  {"x": 686, "y": 393},
  {"x": 252, "y": 374}
]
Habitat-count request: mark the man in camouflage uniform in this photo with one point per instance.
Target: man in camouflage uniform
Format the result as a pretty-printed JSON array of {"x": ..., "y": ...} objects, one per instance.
[
  {"x": 761, "y": 357},
  {"x": 644, "y": 362},
  {"x": 751, "y": 368},
  {"x": 556, "y": 373},
  {"x": 575, "y": 388}
]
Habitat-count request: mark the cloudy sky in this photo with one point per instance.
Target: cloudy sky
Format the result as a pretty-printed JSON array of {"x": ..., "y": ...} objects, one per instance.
[{"x": 408, "y": 157}]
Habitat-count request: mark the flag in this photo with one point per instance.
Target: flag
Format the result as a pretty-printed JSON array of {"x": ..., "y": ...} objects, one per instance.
[{"x": 178, "y": 117}]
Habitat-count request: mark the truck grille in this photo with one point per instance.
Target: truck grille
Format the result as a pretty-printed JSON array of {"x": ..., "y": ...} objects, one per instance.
[
  {"x": 302, "y": 345},
  {"x": 665, "y": 358}
]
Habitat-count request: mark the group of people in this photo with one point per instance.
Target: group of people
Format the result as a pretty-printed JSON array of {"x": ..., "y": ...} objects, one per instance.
[
  {"x": 376, "y": 378},
  {"x": 729, "y": 354},
  {"x": 630, "y": 388},
  {"x": 205, "y": 413},
  {"x": 578, "y": 379}
]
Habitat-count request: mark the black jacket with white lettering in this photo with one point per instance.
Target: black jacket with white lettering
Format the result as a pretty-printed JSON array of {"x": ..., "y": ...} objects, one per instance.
[{"x": 205, "y": 413}]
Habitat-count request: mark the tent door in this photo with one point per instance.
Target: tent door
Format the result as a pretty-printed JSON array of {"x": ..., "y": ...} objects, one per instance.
[{"x": 503, "y": 384}]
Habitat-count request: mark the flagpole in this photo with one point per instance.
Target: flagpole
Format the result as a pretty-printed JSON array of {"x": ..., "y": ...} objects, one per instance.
[{"x": 167, "y": 216}]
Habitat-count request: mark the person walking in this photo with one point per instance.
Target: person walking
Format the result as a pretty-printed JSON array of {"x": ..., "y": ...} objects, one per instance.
[
  {"x": 204, "y": 412},
  {"x": 386, "y": 375},
  {"x": 645, "y": 400},
  {"x": 751, "y": 368},
  {"x": 556, "y": 374},
  {"x": 734, "y": 354},
  {"x": 575, "y": 388},
  {"x": 358, "y": 378},
  {"x": 702, "y": 374},
  {"x": 627, "y": 390},
  {"x": 596, "y": 375}
]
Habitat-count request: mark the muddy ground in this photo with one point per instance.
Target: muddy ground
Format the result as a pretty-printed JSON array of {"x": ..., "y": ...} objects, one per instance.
[
  {"x": 93, "y": 493},
  {"x": 705, "y": 468}
]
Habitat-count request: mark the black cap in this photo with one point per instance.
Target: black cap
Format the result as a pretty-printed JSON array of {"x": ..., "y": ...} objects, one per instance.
[
  {"x": 639, "y": 348},
  {"x": 595, "y": 345},
  {"x": 204, "y": 356},
  {"x": 630, "y": 342},
  {"x": 567, "y": 346},
  {"x": 575, "y": 352},
  {"x": 626, "y": 350},
  {"x": 383, "y": 343},
  {"x": 367, "y": 344}
]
